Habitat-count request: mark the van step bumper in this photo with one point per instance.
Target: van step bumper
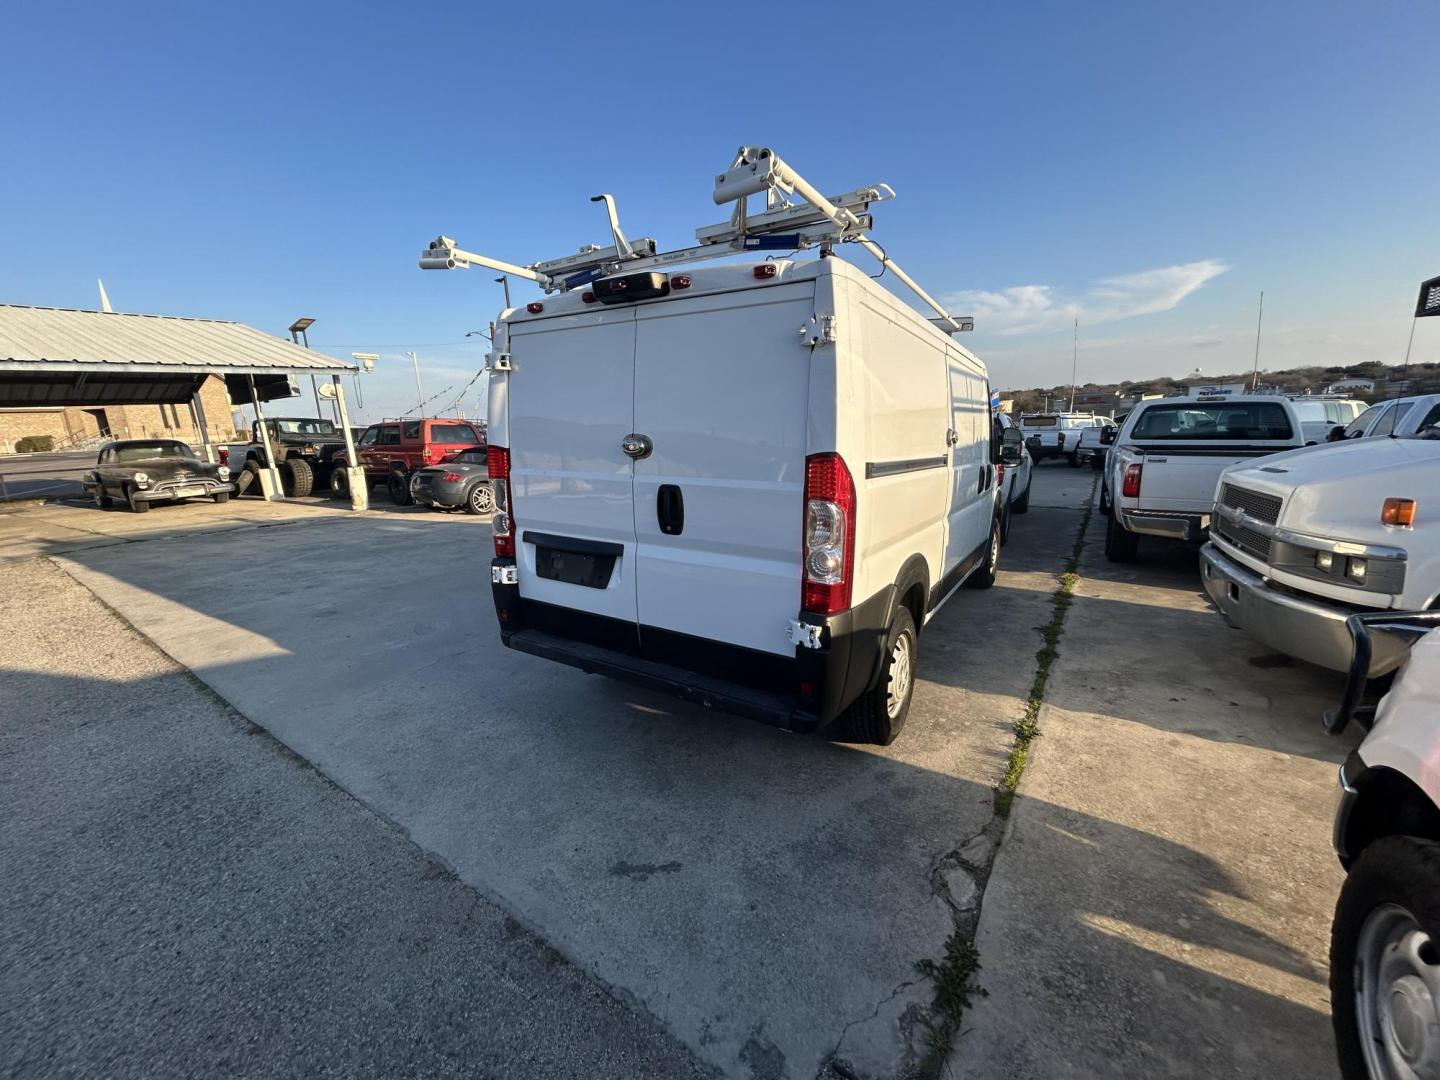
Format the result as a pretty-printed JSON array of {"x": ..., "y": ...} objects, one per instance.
[{"x": 768, "y": 708}]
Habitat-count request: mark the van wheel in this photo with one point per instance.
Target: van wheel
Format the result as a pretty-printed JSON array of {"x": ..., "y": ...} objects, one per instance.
[
  {"x": 983, "y": 576},
  {"x": 1385, "y": 961},
  {"x": 298, "y": 478},
  {"x": 398, "y": 485},
  {"x": 480, "y": 500},
  {"x": 1022, "y": 504},
  {"x": 877, "y": 715},
  {"x": 1120, "y": 543}
]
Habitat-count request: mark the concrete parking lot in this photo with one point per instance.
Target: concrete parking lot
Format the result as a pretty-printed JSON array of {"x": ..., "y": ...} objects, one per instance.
[{"x": 1164, "y": 882}]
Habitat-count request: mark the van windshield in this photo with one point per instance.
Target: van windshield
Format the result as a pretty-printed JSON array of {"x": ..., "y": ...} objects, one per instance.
[{"x": 1258, "y": 420}]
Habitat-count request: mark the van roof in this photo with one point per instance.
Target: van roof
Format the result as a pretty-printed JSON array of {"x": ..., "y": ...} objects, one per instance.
[{"x": 734, "y": 277}]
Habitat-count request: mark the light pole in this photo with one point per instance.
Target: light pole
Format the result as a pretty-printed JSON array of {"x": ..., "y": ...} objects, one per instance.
[
  {"x": 299, "y": 336},
  {"x": 419, "y": 394},
  {"x": 366, "y": 361}
]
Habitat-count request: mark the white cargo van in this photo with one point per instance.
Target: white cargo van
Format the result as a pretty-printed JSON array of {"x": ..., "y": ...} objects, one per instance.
[{"x": 750, "y": 485}]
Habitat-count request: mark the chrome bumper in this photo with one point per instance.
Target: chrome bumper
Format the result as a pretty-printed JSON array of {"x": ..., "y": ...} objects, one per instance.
[
  {"x": 1305, "y": 628},
  {"x": 168, "y": 489},
  {"x": 1172, "y": 526}
]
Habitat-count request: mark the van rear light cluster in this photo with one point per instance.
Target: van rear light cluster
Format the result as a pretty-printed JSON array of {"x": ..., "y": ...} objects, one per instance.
[
  {"x": 680, "y": 281},
  {"x": 829, "y": 540},
  {"x": 535, "y": 308},
  {"x": 497, "y": 458},
  {"x": 766, "y": 270},
  {"x": 1130, "y": 485}
]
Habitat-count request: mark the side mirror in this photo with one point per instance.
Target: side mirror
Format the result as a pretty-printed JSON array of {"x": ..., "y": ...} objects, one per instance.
[
  {"x": 1012, "y": 447},
  {"x": 1107, "y": 435}
]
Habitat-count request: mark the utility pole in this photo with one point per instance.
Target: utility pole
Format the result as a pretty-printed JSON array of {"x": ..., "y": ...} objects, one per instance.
[
  {"x": 1074, "y": 362},
  {"x": 1255, "y": 375},
  {"x": 419, "y": 394}
]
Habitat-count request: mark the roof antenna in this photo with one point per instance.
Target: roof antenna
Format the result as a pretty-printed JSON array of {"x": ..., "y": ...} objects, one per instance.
[{"x": 104, "y": 300}]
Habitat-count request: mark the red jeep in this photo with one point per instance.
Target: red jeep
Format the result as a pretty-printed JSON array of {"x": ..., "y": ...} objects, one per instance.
[{"x": 392, "y": 449}]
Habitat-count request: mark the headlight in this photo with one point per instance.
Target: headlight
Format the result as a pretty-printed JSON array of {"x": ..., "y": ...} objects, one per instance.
[
  {"x": 224, "y": 472},
  {"x": 142, "y": 479}
]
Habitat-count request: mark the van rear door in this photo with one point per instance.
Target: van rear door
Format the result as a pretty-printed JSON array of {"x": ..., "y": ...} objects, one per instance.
[
  {"x": 571, "y": 405},
  {"x": 721, "y": 390}
]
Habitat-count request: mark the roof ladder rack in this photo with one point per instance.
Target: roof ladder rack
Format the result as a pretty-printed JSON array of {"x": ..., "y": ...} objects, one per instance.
[{"x": 784, "y": 225}]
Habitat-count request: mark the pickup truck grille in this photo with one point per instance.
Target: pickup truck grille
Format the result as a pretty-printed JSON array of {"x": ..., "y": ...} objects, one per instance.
[{"x": 1264, "y": 508}]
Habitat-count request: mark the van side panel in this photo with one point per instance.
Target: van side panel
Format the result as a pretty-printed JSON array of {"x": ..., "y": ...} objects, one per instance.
[
  {"x": 721, "y": 388},
  {"x": 972, "y": 486},
  {"x": 570, "y": 405},
  {"x": 904, "y": 474}
]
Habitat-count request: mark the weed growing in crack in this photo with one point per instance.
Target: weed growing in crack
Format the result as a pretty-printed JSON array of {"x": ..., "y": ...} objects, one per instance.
[
  {"x": 955, "y": 984},
  {"x": 1027, "y": 728}
]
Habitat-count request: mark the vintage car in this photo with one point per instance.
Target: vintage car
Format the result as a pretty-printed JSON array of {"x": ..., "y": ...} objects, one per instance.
[{"x": 141, "y": 471}]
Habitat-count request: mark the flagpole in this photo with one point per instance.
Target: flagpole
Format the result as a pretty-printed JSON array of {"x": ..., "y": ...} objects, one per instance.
[{"x": 1074, "y": 362}]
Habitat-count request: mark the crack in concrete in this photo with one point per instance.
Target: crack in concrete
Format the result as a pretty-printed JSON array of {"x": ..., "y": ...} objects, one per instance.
[{"x": 833, "y": 1067}]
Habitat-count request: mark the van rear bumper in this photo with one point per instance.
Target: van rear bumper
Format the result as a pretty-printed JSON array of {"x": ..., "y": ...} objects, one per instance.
[{"x": 802, "y": 693}]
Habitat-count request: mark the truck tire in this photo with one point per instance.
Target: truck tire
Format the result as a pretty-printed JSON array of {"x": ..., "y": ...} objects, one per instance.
[
  {"x": 398, "y": 485},
  {"x": 983, "y": 576},
  {"x": 1073, "y": 460},
  {"x": 221, "y": 497},
  {"x": 298, "y": 478},
  {"x": 479, "y": 499},
  {"x": 136, "y": 505},
  {"x": 1022, "y": 504},
  {"x": 1386, "y": 933},
  {"x": 878, "y": 714},
  {"x": 339, "y": 483},
  {"x": 248, "y": 480},
  {"x": 1121, "y": 545}
]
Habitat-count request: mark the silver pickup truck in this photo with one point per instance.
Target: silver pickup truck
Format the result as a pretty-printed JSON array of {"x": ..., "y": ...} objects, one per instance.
[{"x": 1161, "y": 472}]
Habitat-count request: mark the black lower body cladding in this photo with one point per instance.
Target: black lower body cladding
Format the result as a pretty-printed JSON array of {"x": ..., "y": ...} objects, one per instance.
[{"x": 802, "y": 693}]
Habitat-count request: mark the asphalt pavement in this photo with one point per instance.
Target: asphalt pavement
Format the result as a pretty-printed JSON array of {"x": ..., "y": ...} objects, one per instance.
[
  {"x": 43, "y": 476},
  {"x": 182, "y": 896}
]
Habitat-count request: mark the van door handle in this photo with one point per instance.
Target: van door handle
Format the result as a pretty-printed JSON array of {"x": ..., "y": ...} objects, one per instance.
[
  {"x": 670, "y": 509},
  {"x": 636, "y": 445}
]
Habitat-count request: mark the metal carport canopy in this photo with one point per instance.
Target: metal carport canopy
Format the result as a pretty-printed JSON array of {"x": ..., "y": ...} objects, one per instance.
[{"x": 69, "y": 356}]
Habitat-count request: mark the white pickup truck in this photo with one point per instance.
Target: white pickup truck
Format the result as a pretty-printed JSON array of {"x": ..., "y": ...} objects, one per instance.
[
  {"x": 1161, "y": 471},
  {"x": 1303, "y": 540}
]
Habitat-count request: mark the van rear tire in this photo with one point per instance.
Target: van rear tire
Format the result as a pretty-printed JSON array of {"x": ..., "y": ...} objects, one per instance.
[
  {"x": 878, "y": 714},
  {"x": 1121, "y": 545},
  {"x": 983, "y": 576}
]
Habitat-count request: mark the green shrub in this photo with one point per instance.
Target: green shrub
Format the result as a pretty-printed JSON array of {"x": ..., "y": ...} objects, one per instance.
[{"x": 35, "y": 444}]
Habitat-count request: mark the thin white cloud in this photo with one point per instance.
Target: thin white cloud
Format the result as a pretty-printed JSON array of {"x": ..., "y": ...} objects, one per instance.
[{"x": 1026, "y": 309}]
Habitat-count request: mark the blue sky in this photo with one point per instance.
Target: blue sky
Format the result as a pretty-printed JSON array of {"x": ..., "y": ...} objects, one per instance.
[{"x": 1147, "y": 167}]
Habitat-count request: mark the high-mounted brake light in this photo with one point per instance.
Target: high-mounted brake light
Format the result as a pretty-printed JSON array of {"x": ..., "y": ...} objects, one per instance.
[
  {"x": 535, "y": 307},
  {"x": 1398, "y": 512},
  {"x": 828, "y": 547},
  {"x": 766, "y": 270},
  {"x": 1130, "y": 486},
  {"x": 680, "y": 281},
  {"x": 502, "y": 527}
]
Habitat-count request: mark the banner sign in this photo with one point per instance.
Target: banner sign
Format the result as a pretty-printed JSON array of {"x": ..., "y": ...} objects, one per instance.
[{"x": 1429, "y": 302}]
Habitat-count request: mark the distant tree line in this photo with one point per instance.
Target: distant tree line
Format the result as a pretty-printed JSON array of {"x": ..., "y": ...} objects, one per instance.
[{"x": 1391, "y": 380}]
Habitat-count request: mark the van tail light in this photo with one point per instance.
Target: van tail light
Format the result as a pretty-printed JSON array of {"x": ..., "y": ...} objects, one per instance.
[
  {"x": 497, "y": 458},
  {"x": 829, "y": 535},
  {"x": 1130, "y": 485},
  {"x": 224, "y": 456}
]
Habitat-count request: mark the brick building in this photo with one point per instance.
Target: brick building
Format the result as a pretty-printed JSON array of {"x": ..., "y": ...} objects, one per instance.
[{"x": 72, "y": 424}]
